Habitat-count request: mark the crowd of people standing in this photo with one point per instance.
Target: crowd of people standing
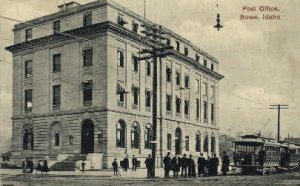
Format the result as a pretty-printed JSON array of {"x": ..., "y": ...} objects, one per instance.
[{"x": 41, "y": 166}]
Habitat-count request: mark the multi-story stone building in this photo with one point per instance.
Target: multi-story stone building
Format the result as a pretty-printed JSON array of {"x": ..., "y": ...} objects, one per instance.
[{"x": 78, "y": 88}]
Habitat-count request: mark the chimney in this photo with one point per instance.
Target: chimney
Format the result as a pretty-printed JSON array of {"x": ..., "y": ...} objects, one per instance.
[{"x": 67, "y": 6}]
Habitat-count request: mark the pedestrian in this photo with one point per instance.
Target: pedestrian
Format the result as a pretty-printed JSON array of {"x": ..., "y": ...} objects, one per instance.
[
  {"x": 225, "y": 163},
  {"x": 207, "y": 166},
  {"x": 201, "y": 165},
  {"x": 134, "y": 162},
  {"x": 191, "y": 167},
  {"x": 215, "y": 164},
  {"x": 45, "y": 167},
  {"x": 39, "y": 166},
  {"x": 175, "y": 164},
  {"x": 149, "y": 166},
  {"x": 167, "y": 164},
  {"x": 184, "y": 164},
  {"x": 83, "y": 166},
  {"x": 30, "y": 165},
  {"x": 125, "y": 163},
  {"x": 261, "y": 157},
  {"x": 115, "y": 167},
  {"x": 24, "y": 166}
]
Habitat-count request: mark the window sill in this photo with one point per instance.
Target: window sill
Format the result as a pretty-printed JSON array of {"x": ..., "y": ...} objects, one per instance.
[
  {"x": 148, "y": 109},
  {"x": 169, "y": 113},
  {"x": 120, "y": 104},
  {"x": 178, "y": 115},
  {"x": 87, "y": 103},
  {"x": 186, "y": 116},
  {"x": 56, "y": 107},
  {"x": 28, "y": 110},
  {"x": 135, "y": 107}
]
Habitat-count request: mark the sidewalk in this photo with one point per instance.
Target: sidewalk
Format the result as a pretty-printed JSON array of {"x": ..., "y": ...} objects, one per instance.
[{"x": 140, "y": 173}]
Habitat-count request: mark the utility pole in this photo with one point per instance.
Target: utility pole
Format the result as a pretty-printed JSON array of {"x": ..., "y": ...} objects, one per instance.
[
  {"x": 159, "y": 50},
  {"x": 278, "y": 107}
]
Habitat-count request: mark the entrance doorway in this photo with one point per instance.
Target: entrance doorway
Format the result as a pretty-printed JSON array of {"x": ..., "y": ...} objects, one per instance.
[
  {"x": 178, "y": 141},
  {"x": 87, "y": 137}
]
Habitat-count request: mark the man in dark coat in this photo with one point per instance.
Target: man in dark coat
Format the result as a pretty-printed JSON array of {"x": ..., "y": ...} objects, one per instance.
[
  {"x": 125, "y": 163},
  {"x": 175, "y": 164},
  {"x": 225, "y": 163},
  {"x": 167, "y": 164},
  {"x": 191, "y": 167},
  {"x": 30, "y": 165},
  {"x": 215, "y": 164},
  {"x": 261, "y": 157},
  {"x": 184, "y": 164},
  {"x": 207, "y": 166},
  {"x": 134, "y": 162},
  {"x": 115, "y": 167},
  {"x": 201, "y": 165},
  {"x": 149, "y": 165}
]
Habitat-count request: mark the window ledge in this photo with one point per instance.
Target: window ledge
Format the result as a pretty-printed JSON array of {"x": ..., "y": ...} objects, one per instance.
[
  {"x": 148, "y": 109},
  {"x": 120, "y": 104},
  {"x": 134, "y": 106},
  {"x": 169, "y": 113},
  {"x": 87, "y": 103},
  {"x": 177, "y": 114}
]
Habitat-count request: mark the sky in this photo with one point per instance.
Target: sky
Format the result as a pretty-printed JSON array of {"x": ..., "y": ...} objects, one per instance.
[{"x": 259, "y": 58}]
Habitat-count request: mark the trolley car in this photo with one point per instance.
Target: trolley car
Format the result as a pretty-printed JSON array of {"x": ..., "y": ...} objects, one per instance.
[{"x": 255, "y": 154}]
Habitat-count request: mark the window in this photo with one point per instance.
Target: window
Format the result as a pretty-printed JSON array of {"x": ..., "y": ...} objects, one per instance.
[
  {"x": 198, "y": 141},
  {"x": 28, "y": 68},
  {"x": 56, "y": 61},
  {"x": 186, "y": 81},
  {"x": 177, "y": 46},
  {"x": 168, "y": 42},
  {"x": 56, "y": 27},
  {"x": 135, "y": 136},
  {"x": 88, "y": 57},
  {"x": 135, "y": 94},
  {"x": 187, "y": 143},
  {"x": 212, "y": 114},
  {"x": 121, "y": 134},
  {"x": 121, "y": 20},
  {"x": 169, "y": 74},
  {"x": 57, "y": 140},
  {"x": 205, "y": 89},
  {"x": 205, "y": 62},
  {"x": 186, "y": 107},
  {"x": 205, "y": 110},
  {"x": 28, "y": 34},
  {"x": 178, "y": 78},
  {"x": 197, "y": 86},
  {"x": 135, "y": 26},
  {"x": 212, "y": 67},
  {"x": 169, "y": 102},
  {"x": 213, "y": 143},
  {"x": 169, "y": 141},
  {"x": 28, "y": 100},
  {"x": 87, "y": 87},
  {"x": 178, "y": 105},
  {"x": 212, "y": 91},
  {"x": 148, "y": 68},
  {"x": 197, "y": 109},
  {"x": 56, "y": 96},
  {"x": 28, "y": 138},
  {"x": 148, "y": 136},
  {"x": 197, "y": 57},
  {"x": 135, "y": 63},
  {"x": 205, "y": 147},
  {"x": 120, "y": 58},
  {"x": 148, "y": 99},
  {"x": 87, "y": 18},
  {"x": 120, "y": 94},
  {"x": 186, "y": 51}
]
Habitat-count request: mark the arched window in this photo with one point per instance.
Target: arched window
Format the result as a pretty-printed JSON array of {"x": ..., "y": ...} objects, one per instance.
[
  {"x": 121, "y": 131},
  {"x": 148, "y": 136},
  {"x": 56, "y": 135},
  {"x": 205, "y": 147},
  {"x": 135, "y": 135},
  {"x": 213, "y": 143},
  {"x": 198, "y": 141},
  {"x": 28, "y": 138}
]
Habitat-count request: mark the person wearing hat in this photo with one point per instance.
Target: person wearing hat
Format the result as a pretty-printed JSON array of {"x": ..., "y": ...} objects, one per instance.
[
  {"x": 184, "y": 165},
  {"x": 191, "y": 167}
]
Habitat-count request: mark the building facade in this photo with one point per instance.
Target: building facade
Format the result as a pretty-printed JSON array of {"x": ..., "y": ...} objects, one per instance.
[{"x": 78, "y": 88}]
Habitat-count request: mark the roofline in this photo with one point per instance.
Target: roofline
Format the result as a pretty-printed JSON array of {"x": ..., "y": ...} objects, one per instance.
[{"x": 102, "y": 3}]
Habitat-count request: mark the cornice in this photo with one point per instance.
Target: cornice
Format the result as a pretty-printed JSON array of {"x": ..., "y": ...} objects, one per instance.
[{"x": 94, "y": 29}]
